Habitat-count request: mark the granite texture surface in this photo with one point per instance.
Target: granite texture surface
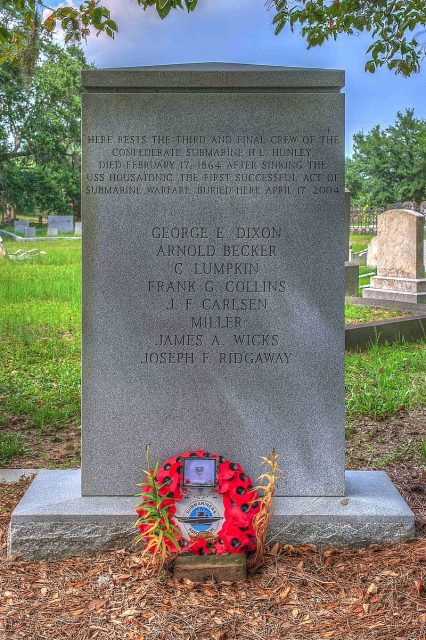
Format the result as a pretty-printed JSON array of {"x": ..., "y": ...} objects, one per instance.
[
  {"x": 223, "y": 336},
  {"x": 53, "y": 521},
  {"x": 213, "y": 75}
]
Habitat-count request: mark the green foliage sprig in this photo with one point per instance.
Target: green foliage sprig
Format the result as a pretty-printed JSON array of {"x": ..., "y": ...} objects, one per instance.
[{"x": 156, "y": 520}]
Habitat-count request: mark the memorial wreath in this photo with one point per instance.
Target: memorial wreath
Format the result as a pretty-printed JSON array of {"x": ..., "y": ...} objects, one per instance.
[{"x": 164, "y": 488}]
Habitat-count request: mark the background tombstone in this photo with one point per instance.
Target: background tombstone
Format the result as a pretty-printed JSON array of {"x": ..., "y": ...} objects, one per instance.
[
  {"x": 65, "y": 224},
  {"x": 52, "y": 231},
  {"x": 347, "y": 225},
  {"x": 213, "y": 302},
  {"x": 351, "y": 269},
  {"x": 20, "y": 223},
  {"x": 78, "y": 228},
  {"x": 372, "y": 252},
  {"x": 400, "y": 258},
  {"x": 30, "y": 232}
]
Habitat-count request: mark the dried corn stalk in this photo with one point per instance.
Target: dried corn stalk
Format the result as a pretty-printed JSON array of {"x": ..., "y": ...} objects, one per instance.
[{"x": 267, "y": 484}]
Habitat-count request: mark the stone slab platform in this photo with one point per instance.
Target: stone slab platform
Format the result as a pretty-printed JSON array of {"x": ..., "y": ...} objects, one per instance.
[{"x": 53, "y": 521}]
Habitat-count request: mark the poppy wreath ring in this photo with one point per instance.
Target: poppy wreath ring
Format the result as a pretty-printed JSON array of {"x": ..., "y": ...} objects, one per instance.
[{"x": 240, "y": 503}]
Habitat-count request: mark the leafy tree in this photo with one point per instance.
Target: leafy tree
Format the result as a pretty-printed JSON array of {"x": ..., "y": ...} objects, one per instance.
[
  {"x": 389, "y": 165},
  {"x": 40, "y": 132},
  {"x": 395, "y": 25}
]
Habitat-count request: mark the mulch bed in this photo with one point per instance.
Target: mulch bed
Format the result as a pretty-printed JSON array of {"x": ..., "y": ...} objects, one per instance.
[
  {"x": 375, "y": 593},
  {"x": 381, "y": 443}
]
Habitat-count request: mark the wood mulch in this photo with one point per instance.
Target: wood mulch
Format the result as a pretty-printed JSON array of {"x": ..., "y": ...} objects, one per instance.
[
  {"x": 376, "y": 593},
  {"x": 380, "y": 443}
]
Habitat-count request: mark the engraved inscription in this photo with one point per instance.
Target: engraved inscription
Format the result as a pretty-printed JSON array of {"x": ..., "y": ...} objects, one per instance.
[{"x": 216, "y": 278}]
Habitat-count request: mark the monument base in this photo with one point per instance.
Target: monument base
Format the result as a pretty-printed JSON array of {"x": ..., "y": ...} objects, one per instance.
[
  {"x": 54, "y": 521},
  {"x": 399, "y": 289}
]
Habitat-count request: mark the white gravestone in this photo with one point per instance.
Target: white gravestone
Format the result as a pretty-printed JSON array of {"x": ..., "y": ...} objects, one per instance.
[
  {"x": 65, "y": 224},
  {"x": 400, "y": 258}
]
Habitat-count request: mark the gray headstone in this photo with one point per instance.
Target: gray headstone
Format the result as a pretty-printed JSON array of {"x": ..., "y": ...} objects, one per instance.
[
  {"x": 65, "y": 224},
  {"x": 213, "y": 298},
  {"x": 30, "y": 232},
  {"x": 52, "y": 231},
  {"x": 347, "y": 224},
  {"x": 351, "y": 279},
  {"x": 78, "y": 228},
  {"x": 20, "y": 223}
]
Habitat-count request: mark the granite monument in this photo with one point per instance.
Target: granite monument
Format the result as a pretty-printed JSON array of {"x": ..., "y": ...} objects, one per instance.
[{"x": 213, "y": 301}]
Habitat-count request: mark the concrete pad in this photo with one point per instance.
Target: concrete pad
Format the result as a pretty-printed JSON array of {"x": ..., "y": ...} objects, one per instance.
[
  {"x": 9, "y": 476},
  {"x": 53, "y": 521}
]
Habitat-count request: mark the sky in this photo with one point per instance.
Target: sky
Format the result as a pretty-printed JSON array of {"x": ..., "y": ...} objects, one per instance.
[{"x": 241, "y": 31}]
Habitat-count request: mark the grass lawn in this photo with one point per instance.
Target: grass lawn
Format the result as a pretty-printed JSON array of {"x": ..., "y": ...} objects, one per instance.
[
  {"x": 40, "y": 337},
  {"x": 360, "y": 241},
  {"x": 354, "y": 314}
]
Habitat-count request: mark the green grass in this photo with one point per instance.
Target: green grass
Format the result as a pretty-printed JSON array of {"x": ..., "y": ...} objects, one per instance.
[
  {"x": 385, "y": 379},
  {"x": 360, "y": 241},
  {"x": 40, "y": 337},
  {"x": 10, "y": 446},
  {"x": 355, "y": 313}
]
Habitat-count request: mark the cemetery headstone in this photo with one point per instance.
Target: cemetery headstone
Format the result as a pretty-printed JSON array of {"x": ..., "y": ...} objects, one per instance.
[
  {"x": 207, "y": 222},
  {"x": 65, "y": 224},
  {"x": 347, "y": 224},
  {"x": 52, "y": 231},
  {"x": 212, "y": 301},
  {"x": 400, "y": 258},
  {"x": 78, "y": 228},
  {"x": 351, "y": 268},
  {"x": 30, "y": 232},
  {"x": 21, "y": 223},
  {"x": 351, "y": 279},
  {"x": 372, "y": 252}
]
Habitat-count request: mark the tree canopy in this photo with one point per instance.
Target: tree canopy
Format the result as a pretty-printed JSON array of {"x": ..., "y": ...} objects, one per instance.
[
  {"x": 40, "y": 132},
  {"x": 389, "y": 165},
  {"x": 397, "y": 27}
]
